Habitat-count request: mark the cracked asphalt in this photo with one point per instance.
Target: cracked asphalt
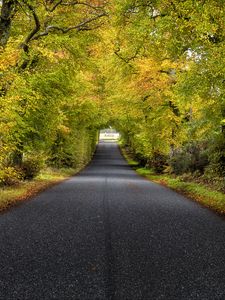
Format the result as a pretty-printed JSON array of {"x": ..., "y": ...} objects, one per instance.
[{"x": 107, "y": 233}]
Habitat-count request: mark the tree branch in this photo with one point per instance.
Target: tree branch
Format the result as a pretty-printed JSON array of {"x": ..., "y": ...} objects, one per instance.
[
  {"x": 126, "y": 60},
  {"x": 54, "y": 7},
  {"x": 80, "y": 27},
  {"x": 72, "y": 3},
  {"x": 34, "y": 31}
]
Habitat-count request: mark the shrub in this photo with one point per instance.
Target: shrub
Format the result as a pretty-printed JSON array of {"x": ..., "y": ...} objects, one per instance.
[
  {"x": 180, "y": 163},
  {"x": 217, "y": 158},
  {"x": 30, "y": 167},
  {"x": 158, "y": 162},
  {"x": 192, "y": 158},
  {"x": 199, "y": 157},
  {"x": 142, "y": 161},
  {"x": 9, "y": 176}
]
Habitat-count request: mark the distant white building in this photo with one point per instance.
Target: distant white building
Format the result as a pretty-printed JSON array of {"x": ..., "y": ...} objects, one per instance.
[{"x": 109, "y": 134}]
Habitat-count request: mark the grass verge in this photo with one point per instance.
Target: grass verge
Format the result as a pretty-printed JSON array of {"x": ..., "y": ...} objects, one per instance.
[
  {"x": 13, "y": 195},
  {"x": 203, "y": 194}
]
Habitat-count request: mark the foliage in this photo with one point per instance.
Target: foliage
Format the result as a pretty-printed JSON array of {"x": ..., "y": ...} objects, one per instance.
[
  {"x": 217, "y": 158},
  {"x": 9, "y": 176},
  {"x": 152, "y": 69},
  {"x": 169, "y": 97},
  {"x": 191, "y": 158},
  {"x": 49, "y": 99},
  {"x": 31, "y": 167}
]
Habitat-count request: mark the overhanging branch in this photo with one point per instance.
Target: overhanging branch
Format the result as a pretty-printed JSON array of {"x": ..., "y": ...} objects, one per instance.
[
  {"x": 35, "y": 29},
  {"x": 126, "y": 60},
  {"x": 54, "y": 7},
  {"x": 79, "y": 27}
]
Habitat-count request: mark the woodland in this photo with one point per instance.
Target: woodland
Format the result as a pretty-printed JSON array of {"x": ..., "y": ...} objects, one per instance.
[{"x": 154, "y": 70}]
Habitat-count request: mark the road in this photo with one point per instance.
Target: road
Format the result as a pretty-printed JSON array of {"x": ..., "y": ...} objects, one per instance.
[{"x": 107, "y": 233}]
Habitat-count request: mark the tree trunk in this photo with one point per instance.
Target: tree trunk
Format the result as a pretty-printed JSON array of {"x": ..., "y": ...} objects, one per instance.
[{"x": 7, "y": 9}]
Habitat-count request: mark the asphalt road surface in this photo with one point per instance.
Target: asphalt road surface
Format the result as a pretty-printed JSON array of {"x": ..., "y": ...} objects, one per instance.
[{"x": 110, "y": 234}]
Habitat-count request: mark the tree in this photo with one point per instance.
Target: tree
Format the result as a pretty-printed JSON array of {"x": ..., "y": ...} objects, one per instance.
[{"x": 153, "y": 69}]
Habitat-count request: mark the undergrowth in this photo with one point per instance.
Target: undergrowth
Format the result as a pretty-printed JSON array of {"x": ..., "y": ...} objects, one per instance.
[{"x": 199, "y": 192}]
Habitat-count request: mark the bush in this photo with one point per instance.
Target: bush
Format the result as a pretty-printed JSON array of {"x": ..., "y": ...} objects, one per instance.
[
  {"x": 180, "y": 163},
  {"x": 142, "y": 161},
  {"x": 9, "y": 176},
  {"x": 190, "y": 159},
  {"x": 199, "y": 157},
  {"x": 158, "y": 162},
  {"x": 30, "y": 168},
  {"x": 217, "y": 158}
]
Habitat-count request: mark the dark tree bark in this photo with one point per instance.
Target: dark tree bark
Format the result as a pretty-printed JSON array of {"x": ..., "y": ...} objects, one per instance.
[{"x": 7, "y": 11}]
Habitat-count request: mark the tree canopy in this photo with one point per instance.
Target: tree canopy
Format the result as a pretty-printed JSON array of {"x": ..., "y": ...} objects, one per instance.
[{"x": 152, "y": 69}]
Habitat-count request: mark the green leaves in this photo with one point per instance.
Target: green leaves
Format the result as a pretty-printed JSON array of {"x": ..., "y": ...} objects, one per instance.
[{"x": 153, "y": 69}]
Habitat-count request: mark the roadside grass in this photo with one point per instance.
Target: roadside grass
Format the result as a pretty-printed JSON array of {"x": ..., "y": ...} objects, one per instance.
[
  {"x": 203, "y": 194},
  {"x": 13, "y": 195}
]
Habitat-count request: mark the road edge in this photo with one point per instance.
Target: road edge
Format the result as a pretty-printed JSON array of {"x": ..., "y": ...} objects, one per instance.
[{"x": 206, "y": 197}]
